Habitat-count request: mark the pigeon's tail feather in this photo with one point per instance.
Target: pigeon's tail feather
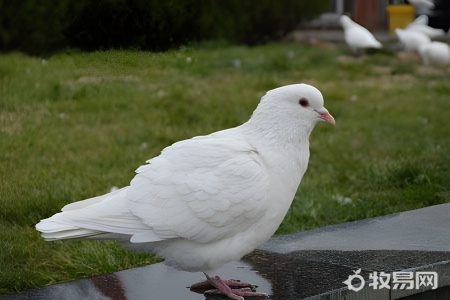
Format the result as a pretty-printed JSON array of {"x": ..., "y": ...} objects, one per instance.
[
  {"x": 93, "y": 218},
  {"x": 378, "y": 45},
  {"x": 87, "y": 202},
  {"x": 52, "y": 231}
]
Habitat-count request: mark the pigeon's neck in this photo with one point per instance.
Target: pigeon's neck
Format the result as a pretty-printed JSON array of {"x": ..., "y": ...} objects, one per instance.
[
  {"x": 280, "y": 131},
  {"x": 283, "y": 145}
]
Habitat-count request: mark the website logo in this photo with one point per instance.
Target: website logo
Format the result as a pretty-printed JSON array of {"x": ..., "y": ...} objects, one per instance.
[{"x": 402, "y": 280}]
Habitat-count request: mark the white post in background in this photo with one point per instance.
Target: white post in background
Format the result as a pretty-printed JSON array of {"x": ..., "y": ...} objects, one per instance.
[{"x": 339, "y": 7}]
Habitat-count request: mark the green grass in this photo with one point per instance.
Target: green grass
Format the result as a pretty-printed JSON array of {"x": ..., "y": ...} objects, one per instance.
[{"x": 76, "y": 124}]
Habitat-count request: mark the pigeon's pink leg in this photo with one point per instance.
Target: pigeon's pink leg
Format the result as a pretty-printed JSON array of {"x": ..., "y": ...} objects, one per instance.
[
  {"x": 233, "y": 284},
  {"x": 223, "y": 287},
  {"x": 220, "y": 285}
]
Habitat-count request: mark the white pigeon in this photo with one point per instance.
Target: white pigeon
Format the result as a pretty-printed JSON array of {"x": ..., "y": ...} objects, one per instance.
[
  {"x": 357, "y": 37},
  {"x": 424, "y": 3},
  {"x": 412, "y": 40},
  {"x": 210, "y": 199},
  {"x": 436, "y": 54},
  {"x": 422, "y": 6},
  {"x": 420, "y": 24},
  {"x": 420, "y": 20}
]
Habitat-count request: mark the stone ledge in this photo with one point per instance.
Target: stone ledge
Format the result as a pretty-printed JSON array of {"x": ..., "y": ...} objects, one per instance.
[{"x": 306, "y": 265}]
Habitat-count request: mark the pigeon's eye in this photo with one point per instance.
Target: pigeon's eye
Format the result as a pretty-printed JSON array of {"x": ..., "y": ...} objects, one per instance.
[{"x": 303, "y": 102}]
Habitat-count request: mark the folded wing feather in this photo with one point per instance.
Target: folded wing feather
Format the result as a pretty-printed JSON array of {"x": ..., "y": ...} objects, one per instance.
[{"x": 202, "y": 189}]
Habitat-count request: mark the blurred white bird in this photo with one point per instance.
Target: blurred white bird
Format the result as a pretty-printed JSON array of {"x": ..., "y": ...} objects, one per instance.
[
  {"x": 422, "y": 6},
  {"x": 436, "y": 54},
  {"x": 420, "y": 24},
  {"x": 425, "y": 3},
  {"x": 211, "y": 199},
  {"x": 412, "y": 40},
  {"x": 356, "y": 36}
]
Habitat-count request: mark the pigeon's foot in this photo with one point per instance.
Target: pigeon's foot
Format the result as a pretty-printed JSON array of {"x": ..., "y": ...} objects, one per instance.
[
  {"x": 215, "y": 287},
  {"x": 236, "y": 294}
]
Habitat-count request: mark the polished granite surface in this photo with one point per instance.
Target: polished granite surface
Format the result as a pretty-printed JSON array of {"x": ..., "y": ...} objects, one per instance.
[{"x": 306, "y": 265}]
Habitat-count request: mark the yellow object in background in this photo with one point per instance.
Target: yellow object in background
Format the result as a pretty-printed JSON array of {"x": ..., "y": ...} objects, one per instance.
[{"x": 399, "y": 16}]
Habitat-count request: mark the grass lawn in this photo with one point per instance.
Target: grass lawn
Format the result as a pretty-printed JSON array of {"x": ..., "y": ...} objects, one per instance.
[{"x": 76, "y": 124}]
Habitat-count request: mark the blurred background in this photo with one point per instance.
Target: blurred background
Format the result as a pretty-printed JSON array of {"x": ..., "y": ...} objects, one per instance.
[{"x": 42, "y": 27}]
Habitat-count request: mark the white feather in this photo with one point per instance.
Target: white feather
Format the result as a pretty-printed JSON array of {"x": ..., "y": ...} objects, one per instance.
[
  {"x": 422, "y": 3},
  {"x": 420, "y": 24},
  {"x": 436, "y": 54},
  {"x": 412, "y": 40}
]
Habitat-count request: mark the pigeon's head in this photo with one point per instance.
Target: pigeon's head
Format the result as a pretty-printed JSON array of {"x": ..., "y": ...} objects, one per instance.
[
  {"x": 400, "y": 33},
  {"x": 345, "y": 21},
  {"x": 289, "y": 112},
  {"x": 297, "y": 101}
]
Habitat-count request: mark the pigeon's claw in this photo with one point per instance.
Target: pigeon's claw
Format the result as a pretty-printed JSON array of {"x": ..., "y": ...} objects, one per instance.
[
  {"x": 244, "y": 293},
  {"x": 233, "y": 289},
  {"x": 233, "y": 284},
  {"x": 222, "y": 287}
]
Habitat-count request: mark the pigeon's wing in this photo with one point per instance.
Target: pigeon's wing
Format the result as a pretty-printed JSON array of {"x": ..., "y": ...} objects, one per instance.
[
  {"x": 361, "y": 37},
  {"x": 420, "y": 20},
  {"x": 203, "y": 189}
]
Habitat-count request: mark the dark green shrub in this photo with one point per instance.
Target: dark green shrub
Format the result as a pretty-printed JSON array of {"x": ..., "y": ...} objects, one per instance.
[
  {"x": 35, "y": 26},
  {"x": 40, "y": 26},
  {"x": 254, "y": 22},
  {"x": 107, "y": 24}
]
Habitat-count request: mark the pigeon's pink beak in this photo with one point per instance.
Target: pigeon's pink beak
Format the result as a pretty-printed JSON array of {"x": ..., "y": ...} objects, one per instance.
[{"x": 326, "y": 116}]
